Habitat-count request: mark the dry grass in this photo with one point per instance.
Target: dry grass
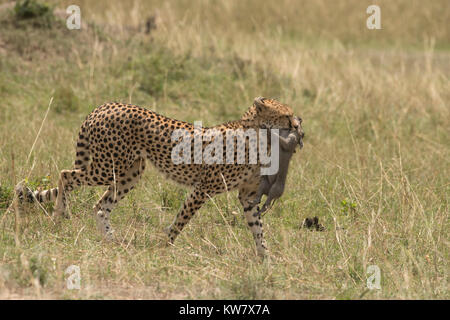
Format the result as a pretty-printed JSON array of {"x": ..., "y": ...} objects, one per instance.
[{"x": 375, "y": 105}]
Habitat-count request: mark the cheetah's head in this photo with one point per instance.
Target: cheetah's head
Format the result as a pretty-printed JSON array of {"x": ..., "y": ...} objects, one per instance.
[{"x": 269, "y": 113}]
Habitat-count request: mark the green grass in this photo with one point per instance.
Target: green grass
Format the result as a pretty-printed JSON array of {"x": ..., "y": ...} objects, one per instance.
[{"x": 374, "y": 168}]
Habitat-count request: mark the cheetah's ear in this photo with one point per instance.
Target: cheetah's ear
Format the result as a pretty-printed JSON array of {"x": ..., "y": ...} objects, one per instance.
[{"x": 259, "y": 104}]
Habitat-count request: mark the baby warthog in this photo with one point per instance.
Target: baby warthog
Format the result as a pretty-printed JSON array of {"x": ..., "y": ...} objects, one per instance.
[{"x": 273, "y": 185}]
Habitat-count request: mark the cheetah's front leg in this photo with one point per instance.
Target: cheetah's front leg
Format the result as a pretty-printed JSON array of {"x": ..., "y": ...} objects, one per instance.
[
  {"x": 191, "y": 205},
  {"x": 254, "y": 221}
]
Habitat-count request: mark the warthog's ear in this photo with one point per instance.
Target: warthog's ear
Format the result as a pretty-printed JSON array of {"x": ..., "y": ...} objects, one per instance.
[{"x": 259, "y": 104}]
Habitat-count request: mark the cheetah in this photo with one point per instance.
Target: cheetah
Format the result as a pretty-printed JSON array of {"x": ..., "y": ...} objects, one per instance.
[{"x": 116, "y": 140}]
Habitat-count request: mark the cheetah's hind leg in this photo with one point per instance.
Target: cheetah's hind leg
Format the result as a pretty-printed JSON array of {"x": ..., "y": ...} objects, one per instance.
[
  {"x": 68, "y": 180},
  {"x": 125, "y": 183}
]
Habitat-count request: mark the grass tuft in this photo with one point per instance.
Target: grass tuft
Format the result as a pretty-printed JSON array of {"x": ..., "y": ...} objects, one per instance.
[{"x": 34, "y": 12}]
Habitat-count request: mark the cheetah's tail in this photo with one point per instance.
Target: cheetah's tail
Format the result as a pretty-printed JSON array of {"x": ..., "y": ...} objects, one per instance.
[{"x": 25, "y": 194}]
